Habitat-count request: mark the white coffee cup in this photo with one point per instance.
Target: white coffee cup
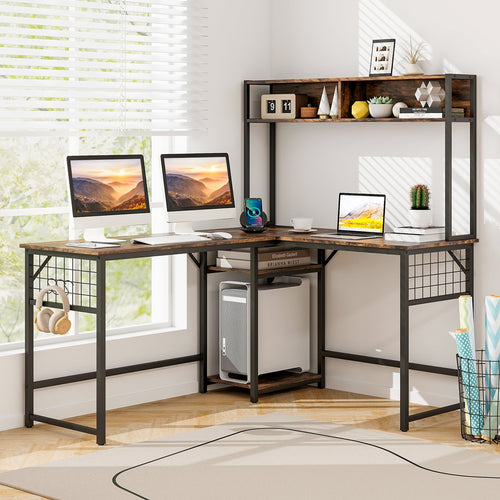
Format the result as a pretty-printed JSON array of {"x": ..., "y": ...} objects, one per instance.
[{"x": 301, "y": 223}]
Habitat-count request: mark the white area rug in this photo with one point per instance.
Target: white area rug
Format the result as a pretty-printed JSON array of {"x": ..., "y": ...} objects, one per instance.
[{"x": 272, "y": 456}]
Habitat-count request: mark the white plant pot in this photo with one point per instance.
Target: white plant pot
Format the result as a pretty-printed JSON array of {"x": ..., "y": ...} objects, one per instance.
[
  {"x": 413, "y": 69},
  {"x": 420, "y": 218},
  {"x": 380, "y": 110}
]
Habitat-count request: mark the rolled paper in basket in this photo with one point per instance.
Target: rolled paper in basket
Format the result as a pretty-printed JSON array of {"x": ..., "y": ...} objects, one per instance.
[
  {"x": 466, "y": 314},
  {"x": 492, "y": 345},
  {"x": 492, "y": 420},
  {"x": 473, "y": 413}
]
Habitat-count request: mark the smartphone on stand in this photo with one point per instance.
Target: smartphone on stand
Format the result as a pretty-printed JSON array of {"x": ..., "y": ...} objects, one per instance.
[{"x": 254, "y": 219}]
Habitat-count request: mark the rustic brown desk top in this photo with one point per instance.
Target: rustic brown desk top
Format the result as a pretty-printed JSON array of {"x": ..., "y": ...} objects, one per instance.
[{"x": 241, "y": 239}]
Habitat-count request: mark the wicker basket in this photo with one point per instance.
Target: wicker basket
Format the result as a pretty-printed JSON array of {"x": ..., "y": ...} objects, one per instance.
[{"x": 479, "y": 392}]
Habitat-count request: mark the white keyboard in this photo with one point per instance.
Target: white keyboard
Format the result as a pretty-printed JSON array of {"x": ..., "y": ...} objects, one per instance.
[{"x": 169, "y": 239}]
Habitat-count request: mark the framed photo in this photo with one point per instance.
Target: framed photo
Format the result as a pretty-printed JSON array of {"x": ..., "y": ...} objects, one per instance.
[{"x": 382, "y": 57}]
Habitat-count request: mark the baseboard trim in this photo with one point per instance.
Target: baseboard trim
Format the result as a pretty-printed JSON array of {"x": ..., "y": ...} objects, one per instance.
[
  {"x": 113, "y": 401},
  {"x": 370, "y": 388}
]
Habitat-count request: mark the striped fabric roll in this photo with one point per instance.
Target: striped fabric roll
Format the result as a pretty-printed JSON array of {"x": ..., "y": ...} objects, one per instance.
[
  {"x": 466, "y": 314},
  {"x": 492, "y": 348},
  {"x": 473, "y": 412}
]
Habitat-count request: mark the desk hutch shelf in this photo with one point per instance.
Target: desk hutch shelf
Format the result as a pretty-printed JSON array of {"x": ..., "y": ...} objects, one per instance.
[{"x": 460, "y": 92}]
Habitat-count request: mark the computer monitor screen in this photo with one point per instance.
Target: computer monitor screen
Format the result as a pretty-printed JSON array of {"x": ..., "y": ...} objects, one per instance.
[
  {"x": 107, "y": 191},
  {"x": 197, "y": 187}
]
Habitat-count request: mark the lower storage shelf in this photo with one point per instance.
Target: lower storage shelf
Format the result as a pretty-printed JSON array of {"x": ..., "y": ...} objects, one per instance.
[{"x": 273, "y": 381}]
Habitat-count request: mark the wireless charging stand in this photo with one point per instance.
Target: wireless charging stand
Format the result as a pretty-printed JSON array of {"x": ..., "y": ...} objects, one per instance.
[{"x": 253, "y": 229}]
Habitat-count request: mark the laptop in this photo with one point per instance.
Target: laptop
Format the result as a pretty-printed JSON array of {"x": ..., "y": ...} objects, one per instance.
[{"x": 360, "y": 216}]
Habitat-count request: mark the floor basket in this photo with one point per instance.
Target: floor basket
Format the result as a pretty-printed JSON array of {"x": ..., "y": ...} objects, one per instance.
[{"x": 478, "y": 387}]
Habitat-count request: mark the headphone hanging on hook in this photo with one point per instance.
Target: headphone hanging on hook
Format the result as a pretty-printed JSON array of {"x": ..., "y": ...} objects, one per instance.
[{"x": 47, "y": 320}]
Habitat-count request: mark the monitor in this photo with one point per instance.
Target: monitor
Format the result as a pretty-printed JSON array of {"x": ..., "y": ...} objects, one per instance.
[
  {"x": 107, "y": 191},
  {"x": 198, "y": 187}
]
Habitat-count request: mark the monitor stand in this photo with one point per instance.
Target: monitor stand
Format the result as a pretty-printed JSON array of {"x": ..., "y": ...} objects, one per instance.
[
  {"x": 96, "y": 235},
  {"x": 184, "y": 228}
]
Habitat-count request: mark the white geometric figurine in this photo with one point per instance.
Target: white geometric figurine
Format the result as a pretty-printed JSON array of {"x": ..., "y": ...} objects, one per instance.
[
  {"x": 334, "y": 110},
  {"x": 431, "y": 94},
  {"x": 324, "y": 106}
]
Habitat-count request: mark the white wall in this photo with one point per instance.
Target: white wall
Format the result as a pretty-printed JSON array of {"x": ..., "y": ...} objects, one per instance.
[
  {"x": 237, "y": 50},
  {"x": 329, "y": 38}
]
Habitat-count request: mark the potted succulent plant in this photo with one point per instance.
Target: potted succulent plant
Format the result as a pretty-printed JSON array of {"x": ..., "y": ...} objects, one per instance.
[
  {"x": 420, "y": 213},
  {"x": 380, "y": 107}
]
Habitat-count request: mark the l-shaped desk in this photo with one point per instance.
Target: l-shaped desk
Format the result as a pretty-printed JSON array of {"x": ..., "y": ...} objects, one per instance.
[{"x": 429, "y": 272}]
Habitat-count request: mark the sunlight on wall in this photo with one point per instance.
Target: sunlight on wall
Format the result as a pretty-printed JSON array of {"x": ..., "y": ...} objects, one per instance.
[
  {"x": 460, "y": 198},
  {"x": 449, "y": 67},
  {"x": 491, "y": 182},
  {"x": 394, "y": 176},
  {"x": 377, "y": 21},
  {"x": 493, "y": 121}
]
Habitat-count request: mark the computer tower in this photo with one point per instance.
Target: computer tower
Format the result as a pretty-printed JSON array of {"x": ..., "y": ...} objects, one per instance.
[{"x": 284, "y": 327}]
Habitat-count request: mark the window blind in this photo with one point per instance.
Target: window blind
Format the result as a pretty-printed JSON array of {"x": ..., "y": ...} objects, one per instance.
[{"x": 78, "y": 67}]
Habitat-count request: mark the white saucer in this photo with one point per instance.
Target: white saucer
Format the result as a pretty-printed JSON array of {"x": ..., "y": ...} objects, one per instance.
[{"x": 302, "y": 230}]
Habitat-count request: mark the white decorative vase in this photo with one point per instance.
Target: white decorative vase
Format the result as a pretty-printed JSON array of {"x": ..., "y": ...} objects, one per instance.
[
  {"x": 420, "y": 218},
  {"x": 380, "y": 110},
  {"x": 413, "y": 69}
]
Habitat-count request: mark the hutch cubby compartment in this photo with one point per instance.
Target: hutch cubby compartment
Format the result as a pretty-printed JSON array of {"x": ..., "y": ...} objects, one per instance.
[{"x": 349, "y": 90}]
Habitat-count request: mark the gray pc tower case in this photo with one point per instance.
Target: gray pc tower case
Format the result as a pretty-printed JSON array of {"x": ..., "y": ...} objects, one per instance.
[{"x": 284, "y": 327}]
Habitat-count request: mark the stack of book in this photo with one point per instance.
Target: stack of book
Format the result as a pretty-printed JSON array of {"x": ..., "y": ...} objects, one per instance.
[
  {"x": 420, "y": 113},
  {"x": 416, "y": 234},
  {"x": 269, "y": 257},
  {"x": 457, "y": 112}
]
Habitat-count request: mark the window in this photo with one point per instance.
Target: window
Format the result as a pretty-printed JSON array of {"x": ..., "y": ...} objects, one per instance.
[{"x": 88, "y": 77}]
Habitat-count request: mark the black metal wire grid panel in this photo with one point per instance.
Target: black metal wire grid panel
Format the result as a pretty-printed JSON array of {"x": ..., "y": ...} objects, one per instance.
[
  {"x": 479, "y": 392},
  {"x": 437, "y": 274},
  {"x": 76, "y": 276}
]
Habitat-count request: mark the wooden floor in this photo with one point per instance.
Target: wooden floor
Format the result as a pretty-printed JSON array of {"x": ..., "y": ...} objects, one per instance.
[{"x": 43, "y": 443}]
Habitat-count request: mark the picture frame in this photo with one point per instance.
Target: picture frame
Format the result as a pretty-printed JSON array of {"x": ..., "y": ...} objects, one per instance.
[{"x": 382, "y": 58}]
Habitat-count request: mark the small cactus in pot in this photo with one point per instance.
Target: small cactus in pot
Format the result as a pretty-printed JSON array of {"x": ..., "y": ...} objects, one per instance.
[{"x": 420, "y": 213}]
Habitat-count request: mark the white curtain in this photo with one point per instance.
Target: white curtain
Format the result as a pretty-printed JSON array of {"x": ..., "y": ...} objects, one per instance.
[{"x": 78, "y": 67}]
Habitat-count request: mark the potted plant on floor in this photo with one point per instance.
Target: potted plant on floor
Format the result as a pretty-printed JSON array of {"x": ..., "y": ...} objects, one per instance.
[{"x": 420, "y": 213}]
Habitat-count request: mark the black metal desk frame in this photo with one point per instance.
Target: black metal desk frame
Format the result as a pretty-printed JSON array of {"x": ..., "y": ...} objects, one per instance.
[
  {"x": 408, "y": 297},
  {"x": 83, "y": 276},
  {"x": 447, "y": 273}
]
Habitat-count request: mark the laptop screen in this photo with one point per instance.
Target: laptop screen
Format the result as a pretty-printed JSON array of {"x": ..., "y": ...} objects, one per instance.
[{"x": 361, "y": 213}]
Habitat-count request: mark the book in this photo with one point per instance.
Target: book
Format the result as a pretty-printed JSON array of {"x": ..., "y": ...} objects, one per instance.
[
  {"x": 266, "y": 264},
  {"x": 420, "y": 113},
  {"x": 413, "y": 238},
  {"x": 266, "y": 253},
  {"x": 419, "y": 230}
]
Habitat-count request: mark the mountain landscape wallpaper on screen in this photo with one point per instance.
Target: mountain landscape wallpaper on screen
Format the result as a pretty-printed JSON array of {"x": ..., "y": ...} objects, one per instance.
[
  {"x": 115, "y": 186},
  {"x": 197, "y": 182},
  {"x": 368, "y": 215}
]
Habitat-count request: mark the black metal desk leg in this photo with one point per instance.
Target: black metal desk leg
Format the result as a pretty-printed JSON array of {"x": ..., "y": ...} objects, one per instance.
[
  {"x": 404, "y": 326},
  {"x": 101, "y": 352},
  {"x": 28, "y": 341},
  {"x": 321, "y": 318},
  {"x": 202, "y": 332},
  {"x": 254, "y": 328}
]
